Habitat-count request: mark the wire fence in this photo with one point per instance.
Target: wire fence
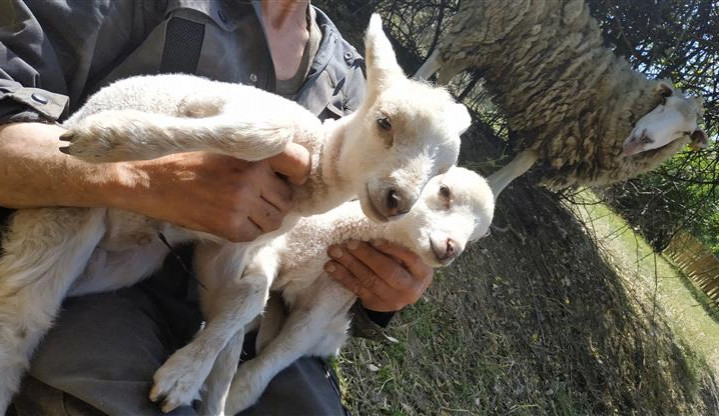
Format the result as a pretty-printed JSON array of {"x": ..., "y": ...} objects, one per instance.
[{"x": 696, "y": 261}]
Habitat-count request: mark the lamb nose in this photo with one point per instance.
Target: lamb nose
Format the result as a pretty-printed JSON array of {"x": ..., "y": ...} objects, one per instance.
[
  {"x": 397, "y": 203},
  {"x": 393, "y": 200},
  {"x": 451, "y": 250}
]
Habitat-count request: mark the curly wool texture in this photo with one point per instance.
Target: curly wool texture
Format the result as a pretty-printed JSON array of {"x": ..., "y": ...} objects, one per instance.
[{"x": 566, "y": 95}]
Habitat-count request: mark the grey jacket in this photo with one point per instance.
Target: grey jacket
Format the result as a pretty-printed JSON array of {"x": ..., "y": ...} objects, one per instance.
[{"x": 53, "y": 54}]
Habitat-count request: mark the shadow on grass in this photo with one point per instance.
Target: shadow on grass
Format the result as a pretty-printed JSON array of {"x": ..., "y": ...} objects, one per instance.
[{"x": 531, "y": 320}]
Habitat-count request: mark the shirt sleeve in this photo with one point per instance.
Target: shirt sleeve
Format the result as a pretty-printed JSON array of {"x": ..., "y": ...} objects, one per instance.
[
  {"x": 363, "y": 326},
  {"x": 54, "y": 53},
  {"x": 28, "y": 68}
]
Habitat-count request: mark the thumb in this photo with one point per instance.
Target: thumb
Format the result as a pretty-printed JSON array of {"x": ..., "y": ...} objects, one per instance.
[{"x": 294, "y": 162}]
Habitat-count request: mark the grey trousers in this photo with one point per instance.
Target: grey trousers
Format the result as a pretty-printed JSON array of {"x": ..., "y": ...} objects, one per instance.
[{"x": 100, "y": 356}]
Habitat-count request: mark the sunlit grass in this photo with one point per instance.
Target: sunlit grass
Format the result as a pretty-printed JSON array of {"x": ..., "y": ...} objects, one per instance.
[{"x": 688, "y": 311}]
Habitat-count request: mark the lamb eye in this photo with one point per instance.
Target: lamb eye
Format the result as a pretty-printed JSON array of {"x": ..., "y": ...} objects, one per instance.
[
  {"x": 646, "y": 140},
  {"x": 384, "y": 123},
  {"x": 445, "y": 191}
]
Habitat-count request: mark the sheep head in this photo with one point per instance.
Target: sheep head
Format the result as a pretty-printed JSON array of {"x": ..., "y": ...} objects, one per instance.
[
  {"x": 675, "y": 118},
  {"x": 404, "y": 133},
  {"x": 455, "y": 208}
]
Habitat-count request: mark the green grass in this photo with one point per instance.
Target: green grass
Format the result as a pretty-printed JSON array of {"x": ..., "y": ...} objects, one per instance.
[
  {"x": 545, "y": 317},
  {"x": 652, "y": 276}
]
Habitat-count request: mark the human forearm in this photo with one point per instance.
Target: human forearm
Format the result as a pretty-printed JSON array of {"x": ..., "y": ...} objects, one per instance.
[
  {"x": 33, "y": 173},
  {"x": 217, "y": 194}
]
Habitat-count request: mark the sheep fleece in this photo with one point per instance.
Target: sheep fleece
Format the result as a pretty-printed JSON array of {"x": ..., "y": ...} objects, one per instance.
[{"x": 566, "y": 95}]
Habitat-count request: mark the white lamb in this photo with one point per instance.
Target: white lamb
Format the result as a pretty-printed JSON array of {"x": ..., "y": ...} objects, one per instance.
[
  {"x": 404, "y": 134},
  {"x": 454, "y": 209},
  {"x": 575, "y": 106}
]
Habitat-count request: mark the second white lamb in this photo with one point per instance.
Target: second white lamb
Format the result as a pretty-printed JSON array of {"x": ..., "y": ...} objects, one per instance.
[{"x": 454, "y": 209}]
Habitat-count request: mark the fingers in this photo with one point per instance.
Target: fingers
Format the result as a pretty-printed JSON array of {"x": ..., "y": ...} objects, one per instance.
[
  {"x": 217, "y": 194},
  {"x": 410, "y": 260},
  {"x": 381, "y": 264},
  {"x": 265, "y": 215},
  {"x": 381, "y": 282},
  {"x": 278, "y": 194},
  {"x": 371, "y": 290},
  {"x": 243, "y": 230},
  {"x": 262, "y": 183},
  {"x": 294, "y": 163}
]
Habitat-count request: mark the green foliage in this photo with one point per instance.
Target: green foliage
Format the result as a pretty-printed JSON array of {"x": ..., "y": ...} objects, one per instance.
[{"x": 682, "y": 194}]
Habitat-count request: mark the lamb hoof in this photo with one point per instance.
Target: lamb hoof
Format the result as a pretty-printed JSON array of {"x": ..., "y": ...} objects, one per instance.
[
  {"x": 68, "y": 136},
  {"x": 87, "y": 145},
  {"x": 176, "y": 384}
]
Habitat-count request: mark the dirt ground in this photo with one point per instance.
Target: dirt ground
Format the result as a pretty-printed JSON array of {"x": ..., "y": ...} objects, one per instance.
[{"x": 531, "y": 320}]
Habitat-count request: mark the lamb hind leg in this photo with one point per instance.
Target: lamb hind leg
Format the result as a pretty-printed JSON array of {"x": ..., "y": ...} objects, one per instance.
[
  {"x": 45, "y": 250},
  {"x": 124, "y": 135}
]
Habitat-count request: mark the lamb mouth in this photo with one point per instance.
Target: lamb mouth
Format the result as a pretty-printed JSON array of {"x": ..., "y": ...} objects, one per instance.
[
  {"x": 441, "y": 261},
  {"x": 649, "y": 153}
]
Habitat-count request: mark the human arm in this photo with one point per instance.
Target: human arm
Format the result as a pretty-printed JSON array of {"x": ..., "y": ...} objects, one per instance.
[{"x": 217, "y": 194}]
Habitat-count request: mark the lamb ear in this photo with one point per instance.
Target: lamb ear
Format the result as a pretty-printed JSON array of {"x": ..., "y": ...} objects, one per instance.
[
  {"x": 664, "y": 88},
  {"x": 460, "y": 118},
  {"x": 699, "y": 139},
  {"x": 382, "y": 65}
]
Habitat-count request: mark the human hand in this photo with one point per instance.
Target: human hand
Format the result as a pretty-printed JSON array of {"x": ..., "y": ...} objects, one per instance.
[
  {"x": 294, "y": 163},
  {"x": 217, "y": 194},
  {"x": 384, "y": 276}
]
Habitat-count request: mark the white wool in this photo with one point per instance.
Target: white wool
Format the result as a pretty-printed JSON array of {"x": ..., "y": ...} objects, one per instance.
[{"x": 568, "y": 98}]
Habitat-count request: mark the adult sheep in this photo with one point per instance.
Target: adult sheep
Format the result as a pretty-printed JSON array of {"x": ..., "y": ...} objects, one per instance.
[{"x": 576, "y": 107}]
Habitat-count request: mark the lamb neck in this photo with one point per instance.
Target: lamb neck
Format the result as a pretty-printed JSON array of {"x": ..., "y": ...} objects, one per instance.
[{"x": 328, "y": 186}]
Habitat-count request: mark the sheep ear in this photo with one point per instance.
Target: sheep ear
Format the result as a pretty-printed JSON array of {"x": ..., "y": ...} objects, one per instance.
[
  {"x": 460, "y": 118},
  {"x": 664, "y": 88},
  {"x": 382, "y": 65},
  {"x": 699, "y": 139}
]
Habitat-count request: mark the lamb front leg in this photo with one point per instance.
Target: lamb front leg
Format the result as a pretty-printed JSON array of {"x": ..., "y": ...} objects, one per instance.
[
  {"x": 220, "y": 378},
  {"x": 303, "y": 333},
  {"x": 125, "y": 135},
  {"x": 234, "y": 305},
  {"x": 218, "y": 382}
]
